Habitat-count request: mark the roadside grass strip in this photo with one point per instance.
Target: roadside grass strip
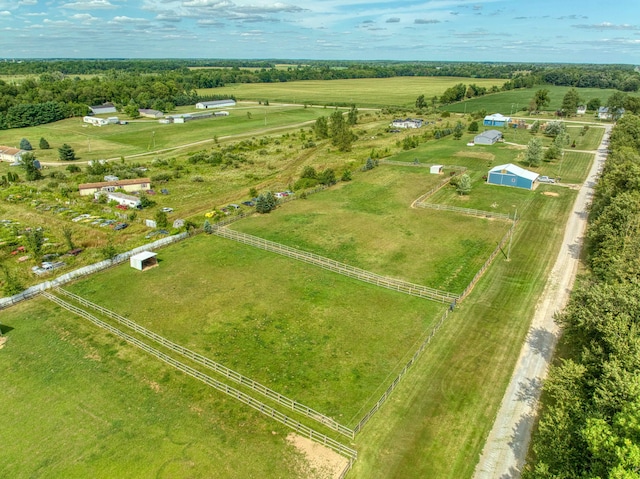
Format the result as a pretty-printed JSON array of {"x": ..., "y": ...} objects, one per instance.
[
  {"x": 268, "y": 411},
  {"x": 214, "y": 366},
  {"x": 341, "y": 268}
]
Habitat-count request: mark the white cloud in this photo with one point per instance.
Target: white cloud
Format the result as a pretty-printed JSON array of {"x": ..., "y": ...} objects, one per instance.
[
  {"x": 125, "y": 19},
  {"x": 607, "y": 26},
  {"x": 83, "y": 17},
  {"x": 5, "y": 13},
  {"x": 88, "y": 5}
]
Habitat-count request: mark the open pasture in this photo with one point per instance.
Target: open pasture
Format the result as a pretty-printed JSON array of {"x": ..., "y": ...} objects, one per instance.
[
  {"x": 363, "y": 92},
  {"x": 328, "y": 341},
  {"x": 515, "y": 102},
  {"x": 107, "y": 410},
  {"x": 145, "y": 136},
  {"x": 368, "y": 223}
]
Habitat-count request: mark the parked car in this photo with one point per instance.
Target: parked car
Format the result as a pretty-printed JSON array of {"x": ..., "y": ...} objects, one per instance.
[
  {"x": 248, "y": 203},
  {"x": 120, "y": 226},
  {"x": 166, "y": 209},
  {"x": 546, "y": 179}
]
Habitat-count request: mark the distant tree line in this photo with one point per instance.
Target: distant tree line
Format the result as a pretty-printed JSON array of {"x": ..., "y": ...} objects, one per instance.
[
  {"x": 590, "y": 420},
  {"x": 56, "y": 91}
]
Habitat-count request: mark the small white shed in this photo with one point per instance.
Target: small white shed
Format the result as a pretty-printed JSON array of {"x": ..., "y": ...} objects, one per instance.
[
  {"x": 144, "y": 260},
  {"x": 436, "y": 169}
]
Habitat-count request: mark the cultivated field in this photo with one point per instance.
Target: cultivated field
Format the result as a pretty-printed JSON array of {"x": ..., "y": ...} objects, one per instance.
[{"x": 363, "y": 92}]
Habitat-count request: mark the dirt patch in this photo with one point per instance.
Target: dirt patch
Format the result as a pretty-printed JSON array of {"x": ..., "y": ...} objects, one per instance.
[
  {"x": 2, "y": 341},
  {"x": 550, "y": 193},
  {"x": 321, "y": 461},
  {"x": 481, "y": 155}
]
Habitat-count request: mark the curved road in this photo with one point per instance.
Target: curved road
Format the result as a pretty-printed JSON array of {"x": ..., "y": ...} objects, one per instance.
[{"x": 506, "y": 447}]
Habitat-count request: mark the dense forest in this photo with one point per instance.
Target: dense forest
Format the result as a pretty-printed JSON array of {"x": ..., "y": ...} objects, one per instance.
[
  {"x": 590, "y": 421},
  {"x": 53, "y": 89}
]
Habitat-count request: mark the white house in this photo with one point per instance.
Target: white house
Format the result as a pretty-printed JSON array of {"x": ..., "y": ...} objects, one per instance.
[
  {"x": 407, "y": 123},
  {"x": 135, "y": 184},
  {"x": 205, "y": 105},
  {"x": 149, "y": 113},
  {"x": 581, "y": 110},
  {"x": 12, "y": 155},
  {"x": 120, "y": 198},
  {"x": 605, "y": 114},
  {"x": 95, "y": 121}
]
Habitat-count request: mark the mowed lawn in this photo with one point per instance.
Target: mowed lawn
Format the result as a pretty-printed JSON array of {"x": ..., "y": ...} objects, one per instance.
[
  {"x": 513, "y": 102},
  {"x": 438, "y": 419},
  {"x": 368, "y": 223},
  {"x": 146, "y": 136},
  {"x": 79, "y": 403},
  {"x": 328, "y": 341},
  {"x": 372, "y": 92}
]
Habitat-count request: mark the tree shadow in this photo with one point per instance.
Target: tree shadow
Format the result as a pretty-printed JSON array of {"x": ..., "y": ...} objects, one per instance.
[
  {"x": 4, "y": 329},
  {"x": 529, "y": 390},
  {"x": 541, "y": 342},
  {"x": 519, "y": 443}
]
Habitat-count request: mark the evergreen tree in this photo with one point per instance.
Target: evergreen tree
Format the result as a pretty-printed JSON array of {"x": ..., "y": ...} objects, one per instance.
[
  {"x": 28, "y": 163},
  {"x": 25, "y": 145},
  {"x": 421, "y": 102},
  {"x": 321, "y": 128},
  {"x": 66, "y": 153},
  {"x": 352, "y": 116},
  {"x": 44, "y": 144},
  {"x": 464, "y": 185}
]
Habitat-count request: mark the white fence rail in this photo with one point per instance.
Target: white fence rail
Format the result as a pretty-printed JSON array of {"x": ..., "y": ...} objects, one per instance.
[
  {"x": 226, "y": 389},
  {"x": 335, "y": 266},
  {"x": 464, "y": 211},
  {"x": 214, "y": 366}
]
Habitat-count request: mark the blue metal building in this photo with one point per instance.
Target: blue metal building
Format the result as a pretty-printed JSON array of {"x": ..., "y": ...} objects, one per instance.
[
  {"x": 496, "y": 120},
  {"x": 512, "y": 175}
]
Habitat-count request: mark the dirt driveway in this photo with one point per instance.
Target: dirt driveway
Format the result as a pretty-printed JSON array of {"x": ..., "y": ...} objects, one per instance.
[{"x": 506, "y": 447}]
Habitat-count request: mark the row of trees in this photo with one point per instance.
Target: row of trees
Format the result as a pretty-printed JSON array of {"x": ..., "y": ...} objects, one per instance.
[
  {"x": 337, "y": 128},
  {"x": 589, "y": 426}
]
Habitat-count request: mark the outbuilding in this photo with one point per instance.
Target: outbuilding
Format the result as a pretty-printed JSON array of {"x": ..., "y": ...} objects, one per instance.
[
  {"x": 205, "y": 105},
  {"x": 436, "y": 169},
  {"x": 143, "y": 261},
  {"x": 512, "y": 175},
  {"x": 104, "y": 108},
  {"x": 496, "y": 120},
  {"x": 488, "y": 137}
]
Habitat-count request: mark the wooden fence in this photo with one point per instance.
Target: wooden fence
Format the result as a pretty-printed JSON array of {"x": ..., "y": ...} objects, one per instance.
[
  {"x": 341, "y": 268},
  {"x": 365, "y": 419},
  {"x": 217, "y": 367},
  {"x": 464, "y": 211},
  {"x": 297, "y": 426}
]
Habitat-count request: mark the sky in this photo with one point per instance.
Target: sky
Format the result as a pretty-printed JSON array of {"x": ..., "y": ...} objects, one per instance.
[{"x": 585, "y": 31}]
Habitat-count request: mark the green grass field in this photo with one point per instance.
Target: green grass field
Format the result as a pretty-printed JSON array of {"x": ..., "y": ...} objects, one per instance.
[
  {"x": 513, "y": 102},
  {"x": 147, "y": 136},
  {"x": 78, "y": 403},
  {"x": 107, "y": 410},
  {"x": 364, "y": 92},
  {"x": 325, "y": 340},
  {"x": 368, "y": 223}
]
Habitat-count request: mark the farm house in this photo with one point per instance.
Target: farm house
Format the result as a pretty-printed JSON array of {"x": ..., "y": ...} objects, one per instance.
[
  {"x": 135, "y": 184},
  {"x": 496, "y": 120},
  {"x": 144, "y": 260},
  {"x": 512, "y": 175},
  {"x": 488, "y": 137}
]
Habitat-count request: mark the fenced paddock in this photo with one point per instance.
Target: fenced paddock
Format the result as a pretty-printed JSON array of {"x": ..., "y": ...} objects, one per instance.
[
  {"x": 268, "y": 411},
  {"x": 214, "y": 366}
]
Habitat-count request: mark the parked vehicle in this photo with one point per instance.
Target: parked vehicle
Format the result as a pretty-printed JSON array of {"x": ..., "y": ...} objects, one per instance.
[{"x": 546, "y": 179}]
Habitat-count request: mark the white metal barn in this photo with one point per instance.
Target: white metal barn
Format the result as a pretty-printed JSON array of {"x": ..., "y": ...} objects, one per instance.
[
  {"x": 144, "y": 260},
  {"x": 436, "y": 169}
]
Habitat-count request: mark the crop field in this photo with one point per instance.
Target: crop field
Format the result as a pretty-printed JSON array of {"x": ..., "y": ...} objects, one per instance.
[
  {"x": 513, "y": 102},
  {"x": 369, "y": 224},
  {"x": 363, "y": 92},
  {"x": 144, "y": 136},
  {"x": 108, "y": 411},
  {"x": 315, "y": 336}
]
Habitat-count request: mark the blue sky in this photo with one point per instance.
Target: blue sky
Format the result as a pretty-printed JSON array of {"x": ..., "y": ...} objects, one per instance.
[{"x": 448, "y": 30}]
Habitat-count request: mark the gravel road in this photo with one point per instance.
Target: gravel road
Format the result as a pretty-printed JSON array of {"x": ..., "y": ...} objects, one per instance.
[{"x": 505, "y": 450}]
